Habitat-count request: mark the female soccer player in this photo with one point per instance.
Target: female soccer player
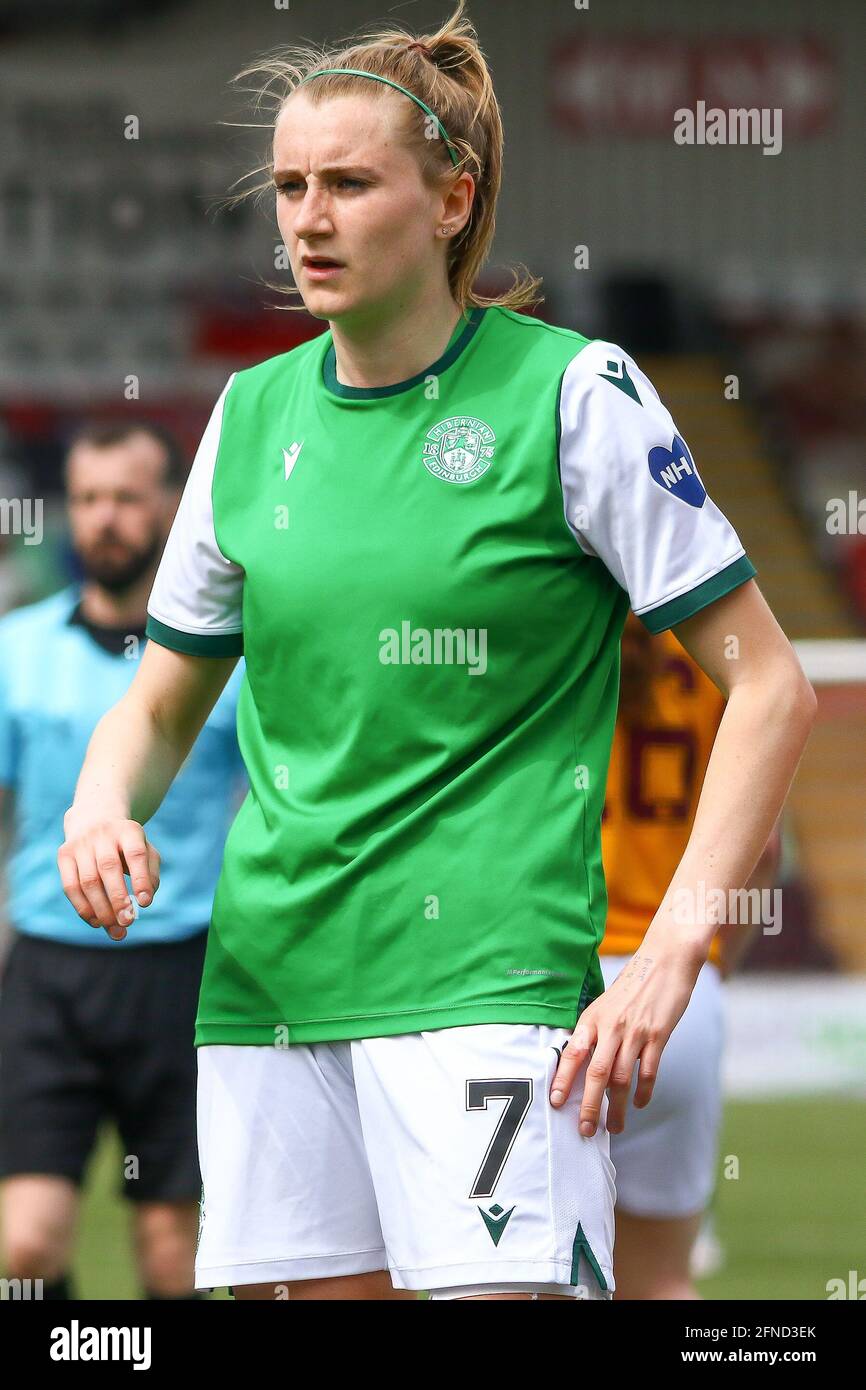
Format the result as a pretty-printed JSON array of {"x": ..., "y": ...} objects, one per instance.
[{"x": 424, "y": 528}]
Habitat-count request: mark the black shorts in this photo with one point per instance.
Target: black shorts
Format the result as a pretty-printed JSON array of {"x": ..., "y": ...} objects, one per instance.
[{"x": 88, "y": 1035}]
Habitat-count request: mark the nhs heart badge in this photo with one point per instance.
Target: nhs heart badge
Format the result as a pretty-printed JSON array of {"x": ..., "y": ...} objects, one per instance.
[{"x": 674, "y": 470}]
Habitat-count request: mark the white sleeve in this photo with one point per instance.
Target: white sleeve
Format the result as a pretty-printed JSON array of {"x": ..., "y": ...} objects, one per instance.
[
  {"x": 196, "y": 603},
  {"x": 632, "y": 493}
]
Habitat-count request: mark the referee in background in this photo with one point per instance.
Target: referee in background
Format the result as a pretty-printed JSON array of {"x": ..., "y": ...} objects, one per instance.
[{"x": 92, "y": 1028}]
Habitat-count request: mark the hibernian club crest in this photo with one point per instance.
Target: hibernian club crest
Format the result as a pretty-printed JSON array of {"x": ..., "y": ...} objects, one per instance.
[{"x": 459, "y": 450}]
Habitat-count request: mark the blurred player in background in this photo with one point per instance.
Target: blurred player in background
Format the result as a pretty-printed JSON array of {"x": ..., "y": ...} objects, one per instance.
[
  {"x": 86, "y": 1031},
  {"x": 669, "y": 715}
]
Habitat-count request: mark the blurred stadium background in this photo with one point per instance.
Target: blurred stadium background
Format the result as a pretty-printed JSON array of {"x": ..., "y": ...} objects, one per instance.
[{"x": 738, "y": 279}]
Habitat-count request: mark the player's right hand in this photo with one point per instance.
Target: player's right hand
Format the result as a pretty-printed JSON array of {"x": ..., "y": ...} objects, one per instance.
[{"x": 92, "y": 861}]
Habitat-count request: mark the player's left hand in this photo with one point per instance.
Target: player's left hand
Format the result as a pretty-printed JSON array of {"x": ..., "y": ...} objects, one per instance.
[{"x": 631, "y": 1022}]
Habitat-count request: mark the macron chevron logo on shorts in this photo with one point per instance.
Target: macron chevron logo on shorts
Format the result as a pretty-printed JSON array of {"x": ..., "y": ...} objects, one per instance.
[
  {"x": 495, "y": 1220},
  {"x": 291, "y": 456}
]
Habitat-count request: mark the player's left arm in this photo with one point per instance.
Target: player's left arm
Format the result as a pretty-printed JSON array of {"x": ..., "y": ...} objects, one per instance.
[
  {"x": 735, "y": 938},
  {"x": 634, "y": 499},
  {"x": 769, "y": 713}
]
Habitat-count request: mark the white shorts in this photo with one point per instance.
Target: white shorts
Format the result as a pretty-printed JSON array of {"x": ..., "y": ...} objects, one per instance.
[
  {"x": 435, "y": 1155},
  {"x": 665, "y": 1158}
]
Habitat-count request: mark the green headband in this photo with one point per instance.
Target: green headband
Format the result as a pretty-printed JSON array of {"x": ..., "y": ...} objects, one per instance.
[{"x": 359, "y": 72}]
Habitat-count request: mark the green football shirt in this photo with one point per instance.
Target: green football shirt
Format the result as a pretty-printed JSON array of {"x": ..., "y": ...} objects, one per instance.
[{"x": 428, "y": 582}]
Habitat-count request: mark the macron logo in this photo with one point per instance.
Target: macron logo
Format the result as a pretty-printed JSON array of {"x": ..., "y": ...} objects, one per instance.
[{"x": 291, "y": 456}]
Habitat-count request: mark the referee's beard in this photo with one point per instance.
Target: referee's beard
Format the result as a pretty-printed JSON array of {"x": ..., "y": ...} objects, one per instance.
[{"x": 116, "y": 565}]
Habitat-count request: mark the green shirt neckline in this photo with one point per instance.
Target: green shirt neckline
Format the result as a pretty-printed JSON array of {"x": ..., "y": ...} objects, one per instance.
[{"x": 461, "y": 337}]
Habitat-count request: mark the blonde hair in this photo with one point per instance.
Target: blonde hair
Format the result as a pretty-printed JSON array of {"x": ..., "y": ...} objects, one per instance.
[{"x": 453, "y": 79}]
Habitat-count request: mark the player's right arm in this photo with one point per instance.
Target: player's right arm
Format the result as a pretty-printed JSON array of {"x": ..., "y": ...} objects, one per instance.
[
  {"x": 196, "y": 629},
  {"x": 196, "y": 637},
  {"x": 133, "y": 756}
]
